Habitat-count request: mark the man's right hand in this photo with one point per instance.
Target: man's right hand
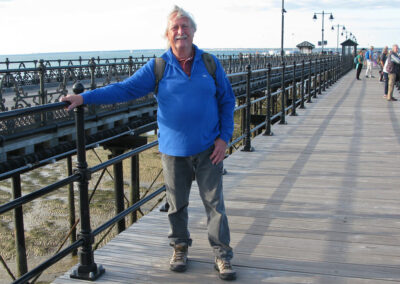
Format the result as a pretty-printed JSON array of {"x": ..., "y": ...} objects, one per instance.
[{"x": 75, "y": 100}]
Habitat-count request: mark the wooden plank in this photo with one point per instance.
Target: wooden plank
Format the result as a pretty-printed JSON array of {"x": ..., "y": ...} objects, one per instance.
[{"x": 318, "y": 202}]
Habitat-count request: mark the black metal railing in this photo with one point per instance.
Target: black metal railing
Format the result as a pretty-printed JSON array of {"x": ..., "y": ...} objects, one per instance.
[{"x": 264, "y": 97}]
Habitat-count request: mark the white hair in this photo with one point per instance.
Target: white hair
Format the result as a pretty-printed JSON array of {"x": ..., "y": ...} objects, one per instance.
[{"x": 178, "y": 12}]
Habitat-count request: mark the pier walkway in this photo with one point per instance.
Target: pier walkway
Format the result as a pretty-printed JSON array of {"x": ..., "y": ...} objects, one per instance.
[{"x": 317, "y": 202}]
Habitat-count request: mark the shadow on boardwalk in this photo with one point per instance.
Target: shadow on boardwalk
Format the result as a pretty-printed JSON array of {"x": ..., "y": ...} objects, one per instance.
[{"x": 318, "y": 202}]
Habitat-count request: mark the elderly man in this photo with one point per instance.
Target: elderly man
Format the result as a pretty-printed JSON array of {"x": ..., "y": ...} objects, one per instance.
[
  {"x": 392, "y": 67},
  {"x": 195, "y": 120},
  {"x": 369, "y": 56}
]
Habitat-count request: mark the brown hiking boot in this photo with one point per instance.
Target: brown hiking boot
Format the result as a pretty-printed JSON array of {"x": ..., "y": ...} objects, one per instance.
[
  {"x": 225, "y": 269},
  {"x": 178, "y": 261}
]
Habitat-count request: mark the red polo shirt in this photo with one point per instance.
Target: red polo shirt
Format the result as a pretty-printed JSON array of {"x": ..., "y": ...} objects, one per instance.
[{"x": 186, "y": 64}]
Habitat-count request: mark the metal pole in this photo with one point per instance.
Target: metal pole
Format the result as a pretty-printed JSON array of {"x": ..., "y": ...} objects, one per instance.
[
  {"x": 268, "y": 116},
  {"x": 42, "y": 91},
  {"x": 315, "y": 79},
  {"x": 71, "y": 201},
  {"x": 247, "y": 139},
  {"x": 130, "y": 68},
  {"x": 118, "y": 188},
  {"x": 320, "y": 77},
  {"x": 22, "y": 266},
  {"x": 322, "y": 43},
  {"x": 337, "y": 42},
  {"x": 283, "y": 91},
  {"x": 87, "y": 268},
  {"x": 294, "y": 91},
  {"x": 302, "y": 85},
  {"x": 135, "y": 194},
  {"x": 309, "y": 83},
  {"x": 282, "y": 28}
]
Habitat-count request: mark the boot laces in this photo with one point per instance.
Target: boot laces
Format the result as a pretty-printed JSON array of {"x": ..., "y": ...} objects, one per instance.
[{"x": 179, "y": 255}]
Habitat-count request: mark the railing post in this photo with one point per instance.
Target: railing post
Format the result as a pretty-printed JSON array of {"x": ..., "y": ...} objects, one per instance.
[
  {"x": 329, "y": 70},
  {"x": 130, "y": 64},
  {"x": 135, "y": 185},
  {"x": 247, "y": 140},
  {"x": 42, "y": 90},
  {"x": 294, "y": 91},
  {"x": 324, "y": 74},
  {"x": 118, "y": 187},
  {"x": 22, "y": 266},
  {"x": 337, "y": 66},
  {"x": 315, "y": 79},
  {"x": 92, "y": 74},
  {"x": 283, "y": 93},
  {"x": 309, "y": 91},
  {"x": 302, "y": 85},
  {"x": 71, "y": 201},
  {"x": 268, "y": 131},
  {"x": 87, "y": 268},
  {"x": 320, "y": 77},
  {"x": 80, "y": 73}
]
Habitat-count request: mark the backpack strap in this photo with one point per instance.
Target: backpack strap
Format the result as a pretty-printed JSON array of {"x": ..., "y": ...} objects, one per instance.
[
  {"x": 210, "y": 65},
  {"x": 159, "y": 68}
]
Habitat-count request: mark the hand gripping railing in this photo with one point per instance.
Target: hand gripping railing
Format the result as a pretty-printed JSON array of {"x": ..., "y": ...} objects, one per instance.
[{"x": 87, "y": 268}]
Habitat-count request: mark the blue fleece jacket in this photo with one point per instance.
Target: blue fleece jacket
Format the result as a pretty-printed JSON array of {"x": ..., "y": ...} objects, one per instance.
[{"x": 192, "y": 111}]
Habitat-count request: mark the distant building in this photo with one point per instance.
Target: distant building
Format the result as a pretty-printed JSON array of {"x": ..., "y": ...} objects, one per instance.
[
  {"x": 305, "y": 47},
  {"x": 349, "y": 47}
]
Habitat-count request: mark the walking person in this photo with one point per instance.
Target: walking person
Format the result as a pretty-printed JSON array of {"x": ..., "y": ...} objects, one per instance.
[
  {"x": 359, "y": 65},
  {"x": 369, "y": 57},
  {"x": 382, "y": 60},
  {"x": 195, "y": 120},
  {"x": 385, "y": 72},
  {"x": 393, "y": 69}
]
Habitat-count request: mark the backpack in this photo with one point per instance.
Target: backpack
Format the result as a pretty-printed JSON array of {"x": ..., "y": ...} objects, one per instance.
[
  {"x": 159, "y": 68},
  {"x": 392, "y": 68},
  {"x": 356, "y": 60}
]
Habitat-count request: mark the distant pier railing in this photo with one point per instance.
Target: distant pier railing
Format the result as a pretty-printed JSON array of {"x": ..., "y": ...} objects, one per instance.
[
  {"x": 264, "y": 96},
  {"x": 37, "y": 82}
]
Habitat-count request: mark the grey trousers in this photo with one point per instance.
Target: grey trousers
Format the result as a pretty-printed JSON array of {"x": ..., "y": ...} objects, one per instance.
[{"x": 178, "y": 176}]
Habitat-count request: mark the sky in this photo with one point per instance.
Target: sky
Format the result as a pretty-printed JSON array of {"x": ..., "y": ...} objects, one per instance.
[{"x": 40, "y": 26}]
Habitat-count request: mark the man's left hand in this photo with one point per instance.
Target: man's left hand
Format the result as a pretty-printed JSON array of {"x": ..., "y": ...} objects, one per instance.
[{"x": 218, "y": 154}]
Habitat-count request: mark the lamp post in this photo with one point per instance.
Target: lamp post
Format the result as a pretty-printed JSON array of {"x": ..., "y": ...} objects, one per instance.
[
  {"x": 338, "y": 27},
  {"x": 283, "y": 18},
  {"x": 323, "y": 13}
]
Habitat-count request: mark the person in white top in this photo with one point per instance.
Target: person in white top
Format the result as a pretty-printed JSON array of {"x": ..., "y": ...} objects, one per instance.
[
  {"x": 369, "y": 56},
  {"x": 392, "y": 68}
]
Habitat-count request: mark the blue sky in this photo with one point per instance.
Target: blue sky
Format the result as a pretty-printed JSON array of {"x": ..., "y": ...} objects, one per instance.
[{"x": 33, "y": 26}]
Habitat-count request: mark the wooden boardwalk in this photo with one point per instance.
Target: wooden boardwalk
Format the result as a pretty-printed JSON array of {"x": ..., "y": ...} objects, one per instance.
[{"x": 317, "y": 202}]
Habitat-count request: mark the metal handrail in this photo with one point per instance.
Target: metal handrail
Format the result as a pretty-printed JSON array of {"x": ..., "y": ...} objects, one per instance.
[{"x": 83, "y": 174}]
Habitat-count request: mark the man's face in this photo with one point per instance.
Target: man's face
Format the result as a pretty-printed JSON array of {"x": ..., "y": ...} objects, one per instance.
[
  {"x": 180, "y": 34},
  {"x": 396, "y": 48}
]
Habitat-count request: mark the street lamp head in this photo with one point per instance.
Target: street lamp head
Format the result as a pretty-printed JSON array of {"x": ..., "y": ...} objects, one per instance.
[
  {"x": 331, "y": 17},
  {"x": 315, "y": 17}
]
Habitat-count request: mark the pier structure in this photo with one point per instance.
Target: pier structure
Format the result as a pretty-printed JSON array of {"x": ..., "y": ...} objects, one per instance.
[
  {"x": 317, "y": 202},
  {"x": 268, "y": 99}
]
